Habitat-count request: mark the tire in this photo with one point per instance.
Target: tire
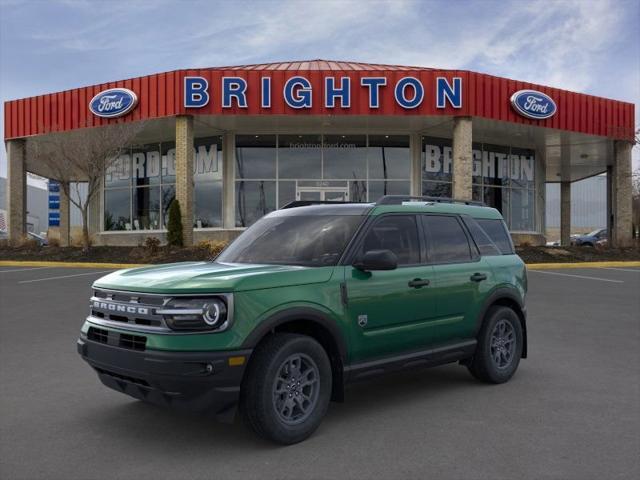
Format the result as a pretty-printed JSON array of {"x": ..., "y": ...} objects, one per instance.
[
  {"x": 497, "y": 364},
  {"x": 271, "y": 405}
]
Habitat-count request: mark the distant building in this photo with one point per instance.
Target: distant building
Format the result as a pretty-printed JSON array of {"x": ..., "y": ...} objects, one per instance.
[{"x": 37, "y": 206}]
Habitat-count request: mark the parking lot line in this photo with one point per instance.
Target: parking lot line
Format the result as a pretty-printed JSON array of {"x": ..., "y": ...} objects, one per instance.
[
  {"x": 637, "y": 270},
  {"x": 578, "y": 276},
  {"x": 23, "y": 269},
  {"x": 63, "y": 276}
]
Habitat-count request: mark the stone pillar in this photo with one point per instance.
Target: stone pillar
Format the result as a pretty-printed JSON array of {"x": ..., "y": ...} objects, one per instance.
[
  {"x": 184, "y": 174},
  {"x": 565, "y": 213},
  {"x": 16, "y": 191},
  {"x": 621, "y": 183},
  {"x": 462, "y": 158},
  {"x": 228, "y": 180},
  {"x": 415, "y": 147},
  {"x": 65, "y": 216}
]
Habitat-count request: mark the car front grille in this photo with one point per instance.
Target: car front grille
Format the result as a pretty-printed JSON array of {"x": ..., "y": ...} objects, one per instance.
[
  {"x": 122, "y": 340},
  {"x": 130, "y": 309}
]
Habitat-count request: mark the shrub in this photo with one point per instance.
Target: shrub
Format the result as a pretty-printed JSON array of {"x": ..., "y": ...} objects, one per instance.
[
  {"x": 152, "y": 245},
  {"x": 174, "y": 226},
  {"x": 54, "y": 242},
  {"x": 211, "y": 248}
]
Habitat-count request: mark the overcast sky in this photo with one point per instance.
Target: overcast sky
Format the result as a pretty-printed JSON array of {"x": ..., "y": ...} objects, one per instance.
[{"x": 581, "y": 45}]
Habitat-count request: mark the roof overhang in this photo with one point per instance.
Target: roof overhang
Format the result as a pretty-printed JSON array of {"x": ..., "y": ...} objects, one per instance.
[{"x": 480, "y": 96}]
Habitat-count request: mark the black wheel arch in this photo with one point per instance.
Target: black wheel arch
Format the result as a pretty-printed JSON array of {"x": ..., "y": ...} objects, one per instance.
[
  {"x": 316, "y": 324},
  {"x": 506, "y": 297}
]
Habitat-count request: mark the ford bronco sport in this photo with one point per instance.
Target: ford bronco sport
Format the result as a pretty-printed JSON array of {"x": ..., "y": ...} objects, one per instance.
[{"x": 309, "y": 298}]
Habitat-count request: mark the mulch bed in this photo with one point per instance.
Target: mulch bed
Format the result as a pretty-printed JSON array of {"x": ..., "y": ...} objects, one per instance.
[
  {"x": 577, "y": 254},
  {"x": 106, "y": 254},
  {"x": 199, "y": 253}
]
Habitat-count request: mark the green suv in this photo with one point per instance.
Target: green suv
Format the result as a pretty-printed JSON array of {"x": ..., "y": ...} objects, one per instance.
[{"x": 310, "y": 298}]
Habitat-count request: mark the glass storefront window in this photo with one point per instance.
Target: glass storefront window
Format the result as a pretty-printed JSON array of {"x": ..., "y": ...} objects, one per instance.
[
  {"x": 146, "y": 208},
  {"x": 500, "y": 175},
  {"x": 521, "y": 210},
  {"x": 207, "y": 176},
  {"x": 151, "y": 171},
  {"x": 300, "y": 156},
  {"x": 379, "y": 188},
  {"x": 146, "y": 165},
  {"x": 344, "y": 156},
  {"x": 168, "y": 194},
  {"x": 256, "y": 156},
  {"x": 117, "y": 205},
  {"x": 389, "y": 157},
  {"x": 357, "y": 168},
  {"x": 254, "y": 199},
  {"x": 118, "y": 174}
]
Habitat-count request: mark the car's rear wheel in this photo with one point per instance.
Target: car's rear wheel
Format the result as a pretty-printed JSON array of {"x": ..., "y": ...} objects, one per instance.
[
  {"x": 499, "y": 346},
  {"x": 287, "y": 388}
]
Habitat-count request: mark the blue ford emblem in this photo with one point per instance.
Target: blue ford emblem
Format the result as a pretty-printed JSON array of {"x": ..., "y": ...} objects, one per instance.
[
  {"x": 533, "y": 104},
  {"x": 114, "y": 102}
]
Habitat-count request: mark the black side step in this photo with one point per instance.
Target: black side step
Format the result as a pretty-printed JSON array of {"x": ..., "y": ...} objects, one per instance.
[{"x": 423, "y": 358}]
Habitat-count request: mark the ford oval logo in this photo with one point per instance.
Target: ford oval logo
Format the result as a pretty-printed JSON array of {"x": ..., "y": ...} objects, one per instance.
[
  {"x": 533, "y": 104},
  {"x": 114, "y": 102}
]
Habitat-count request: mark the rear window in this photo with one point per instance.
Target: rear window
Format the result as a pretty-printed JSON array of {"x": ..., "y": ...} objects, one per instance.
[
  {"x": 481, "y": 239},
  {"x": 447, "y": 240},
  {"x": 498, "y": 233}
]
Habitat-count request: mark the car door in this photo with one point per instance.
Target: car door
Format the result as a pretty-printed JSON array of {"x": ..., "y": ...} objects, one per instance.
[
  {"x": 461, "y": 277},
  {"x": 388, "y": 311}
]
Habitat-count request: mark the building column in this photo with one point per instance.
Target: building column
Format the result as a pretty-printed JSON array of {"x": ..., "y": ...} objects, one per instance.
[
  {"x": 462, "y": 158},
  {"x": 621, "y": 183},
  {"x": 415, "y": 147},
  {"x": 16, "y": 191},
  {"x": 228, "y": 180},
  {"x": 565, "y": 213},
  {"x": 65, "y": 218},
  {"x": 184, "y": 174}
]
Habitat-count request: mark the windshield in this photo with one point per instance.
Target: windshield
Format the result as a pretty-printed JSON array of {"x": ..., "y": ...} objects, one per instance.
[
  {"x": 594, "y": 233},
  {"x": 312, "y": 241}
]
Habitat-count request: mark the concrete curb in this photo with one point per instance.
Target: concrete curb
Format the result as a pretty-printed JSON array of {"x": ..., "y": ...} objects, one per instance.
[{"x": 530, "y": 266}]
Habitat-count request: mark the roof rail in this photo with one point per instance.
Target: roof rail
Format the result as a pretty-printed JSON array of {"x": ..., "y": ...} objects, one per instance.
[
  {"x": 306, "y": 203},
  {"x": 399, "y": 199}
]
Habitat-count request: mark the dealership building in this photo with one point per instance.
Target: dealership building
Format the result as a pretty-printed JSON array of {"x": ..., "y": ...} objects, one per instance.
[{"x": 234, "y": 143}]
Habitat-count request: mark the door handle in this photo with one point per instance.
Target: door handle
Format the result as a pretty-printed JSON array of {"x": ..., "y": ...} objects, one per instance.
[
  {"x": 477, "y": 277},
  {"x": 418, "y": 282}
]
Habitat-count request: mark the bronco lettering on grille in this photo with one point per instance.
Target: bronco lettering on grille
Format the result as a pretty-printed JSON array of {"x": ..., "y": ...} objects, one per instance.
[{"x": 118, "y": 307}]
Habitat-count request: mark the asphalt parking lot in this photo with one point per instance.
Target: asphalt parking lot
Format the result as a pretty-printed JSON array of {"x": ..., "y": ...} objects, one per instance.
[{"x": 571, "y": 412}]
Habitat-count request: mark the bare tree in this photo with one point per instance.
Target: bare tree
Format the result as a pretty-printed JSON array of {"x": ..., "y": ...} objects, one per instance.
[{"x": 82, "y": 156}]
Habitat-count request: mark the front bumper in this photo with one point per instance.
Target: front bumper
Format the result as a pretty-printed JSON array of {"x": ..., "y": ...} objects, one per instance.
[{"x": 193, "y": 381}]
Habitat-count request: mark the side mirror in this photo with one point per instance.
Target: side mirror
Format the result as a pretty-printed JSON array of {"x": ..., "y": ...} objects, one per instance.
[{"x": 377, "y": 260}]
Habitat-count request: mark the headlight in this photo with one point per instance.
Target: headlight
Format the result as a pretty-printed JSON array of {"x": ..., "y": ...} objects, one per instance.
[{"x": 196, "y": 313}]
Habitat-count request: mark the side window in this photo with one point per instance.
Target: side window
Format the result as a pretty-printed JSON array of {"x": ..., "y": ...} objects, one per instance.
[
  {"x": 498, "y": 233},
  {"x": 397, "y": 233},
  {"x": 447, "y": 240},
  {"x": 482, "y": 240}
]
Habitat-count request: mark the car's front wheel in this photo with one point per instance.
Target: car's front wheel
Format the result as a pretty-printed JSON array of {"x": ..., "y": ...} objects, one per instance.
[
  {"x": 499, "y": 346},
  {"x": 287, "y": 388}
]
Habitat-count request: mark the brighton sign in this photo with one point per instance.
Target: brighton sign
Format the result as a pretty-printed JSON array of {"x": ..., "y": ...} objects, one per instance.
[
  {"x": 408, "y": 92},
  {"x": 113, "y": 103},
  {"x": 533, "y": 104}
]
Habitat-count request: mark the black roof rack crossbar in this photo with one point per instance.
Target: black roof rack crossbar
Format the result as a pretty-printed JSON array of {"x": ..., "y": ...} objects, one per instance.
[
  {"x": 399, "y": 199},
  {"x": 306, "y": 203}
]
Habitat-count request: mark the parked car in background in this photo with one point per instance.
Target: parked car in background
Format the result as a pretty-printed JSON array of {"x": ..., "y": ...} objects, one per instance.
[{"x": 590, "y": 239}]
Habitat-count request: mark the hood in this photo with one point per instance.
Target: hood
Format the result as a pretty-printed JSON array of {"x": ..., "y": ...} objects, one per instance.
[{"x": 211, "y": 277}]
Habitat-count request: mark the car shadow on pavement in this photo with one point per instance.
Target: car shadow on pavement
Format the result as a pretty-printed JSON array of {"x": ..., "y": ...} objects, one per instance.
[{"x": 132, "y": 421}]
